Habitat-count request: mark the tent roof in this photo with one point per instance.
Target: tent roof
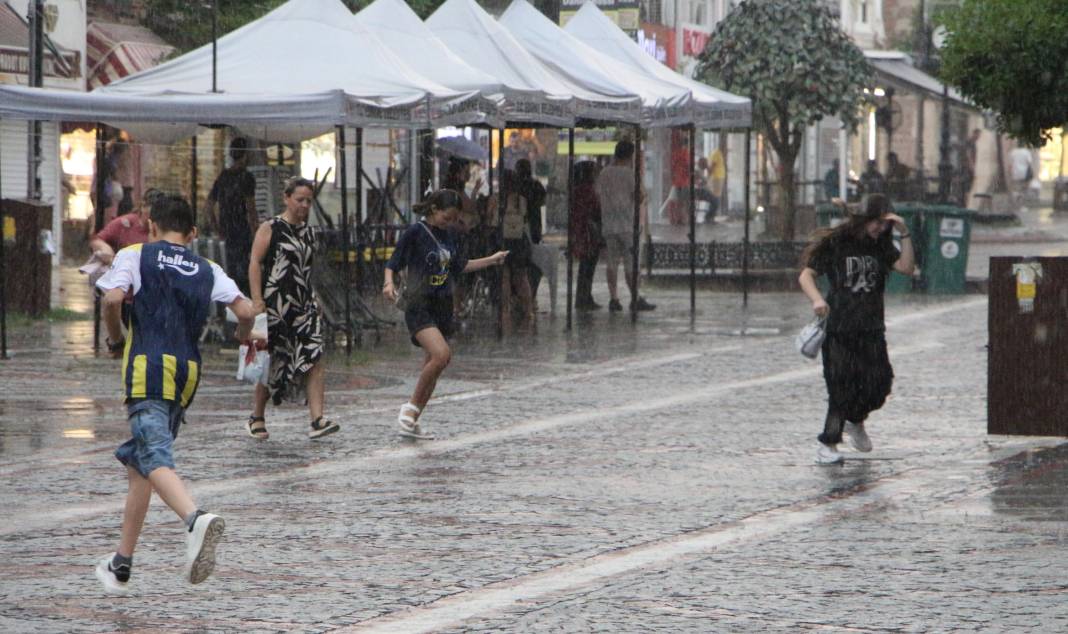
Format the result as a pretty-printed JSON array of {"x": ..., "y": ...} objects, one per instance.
[
  {"x": 712, "y": 108},
  {"x": 477, "y": 38},
  {"x": 307, "y": 47},
  {"x": 401, "y": 31},
  {"x": 663, "y": 104}
]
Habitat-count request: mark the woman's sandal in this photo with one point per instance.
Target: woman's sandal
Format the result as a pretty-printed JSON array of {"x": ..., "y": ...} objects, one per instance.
[
  {"x": 320, "y": 427},
  {"x": 259, "y": 432},
  {"x": 409, "y": 427}
]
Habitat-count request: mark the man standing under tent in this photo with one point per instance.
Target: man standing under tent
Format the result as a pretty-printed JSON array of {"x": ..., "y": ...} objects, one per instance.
[
  {"x": 232, "y": 209},
  {"x": 615, "y": 192}
]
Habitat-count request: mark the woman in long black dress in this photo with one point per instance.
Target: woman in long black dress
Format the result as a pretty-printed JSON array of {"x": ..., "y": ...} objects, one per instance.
[
  {"x": 281, "y": 284},
  {"x": 856, "y": 256},
  {"x": 429, "y": 255}
]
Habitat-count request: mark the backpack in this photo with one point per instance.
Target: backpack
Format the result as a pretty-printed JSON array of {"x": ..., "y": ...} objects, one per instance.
[{"x": 515, "y": 217}]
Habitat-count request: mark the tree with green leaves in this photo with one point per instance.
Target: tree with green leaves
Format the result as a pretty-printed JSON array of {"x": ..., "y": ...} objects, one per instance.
[
  {"x": 793, "y": 60},
  {"x": 1011, "y": 56}
]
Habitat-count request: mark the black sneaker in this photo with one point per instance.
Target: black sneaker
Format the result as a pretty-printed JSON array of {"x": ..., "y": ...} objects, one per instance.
[
  {"x": 587, "y": 305},
  {"x": 642, "y": 305},
  {"x": 615, "y": 306}
]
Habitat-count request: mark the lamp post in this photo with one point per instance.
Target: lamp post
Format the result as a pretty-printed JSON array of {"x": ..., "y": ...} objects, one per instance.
[{"x": 945, "y": 168}]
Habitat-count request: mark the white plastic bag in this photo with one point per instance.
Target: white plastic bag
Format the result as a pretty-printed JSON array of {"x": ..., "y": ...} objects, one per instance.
[
  {"x": 810, "y": 339},
  {"x": 253, "y": 368}
]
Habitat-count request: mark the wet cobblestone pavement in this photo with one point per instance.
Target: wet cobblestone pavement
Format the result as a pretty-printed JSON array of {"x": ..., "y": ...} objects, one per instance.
[{"x": 620, "y": 478}]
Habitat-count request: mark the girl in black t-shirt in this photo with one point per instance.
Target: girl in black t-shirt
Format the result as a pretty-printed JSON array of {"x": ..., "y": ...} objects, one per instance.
[
  {"x": 857, "y": 257},
  {"x": 427, "y": 251}
]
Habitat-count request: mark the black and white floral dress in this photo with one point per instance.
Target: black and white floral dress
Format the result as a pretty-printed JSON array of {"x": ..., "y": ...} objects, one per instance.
[{"x": 295, "y": 336}]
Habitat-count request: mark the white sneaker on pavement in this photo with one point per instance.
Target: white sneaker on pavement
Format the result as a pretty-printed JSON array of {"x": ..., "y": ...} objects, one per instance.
[
  {"x": 200, "y": 550},
  {"x": 110, "y": 577},
  {"x": 828, "y": 454},
  {"x": 858, "y": 437}
]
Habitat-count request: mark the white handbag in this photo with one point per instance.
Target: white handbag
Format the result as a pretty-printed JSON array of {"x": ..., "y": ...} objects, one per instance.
[{"x": 810, "y": 339}]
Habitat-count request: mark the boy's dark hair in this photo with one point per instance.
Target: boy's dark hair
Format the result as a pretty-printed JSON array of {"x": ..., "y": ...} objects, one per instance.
[
  {"x": 238, "y": 147},
  {"x": 624, "y": 150},
  {"x": 172, "y": 213}
]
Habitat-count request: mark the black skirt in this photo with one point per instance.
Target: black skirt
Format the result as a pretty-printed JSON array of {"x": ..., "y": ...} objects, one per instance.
[{"x": 857, "y": 370}]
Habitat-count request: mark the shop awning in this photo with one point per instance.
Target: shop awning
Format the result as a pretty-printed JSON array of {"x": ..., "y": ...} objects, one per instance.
[
  {"x": 114, "y": 51},
  {"x": 896, "y": 68}
]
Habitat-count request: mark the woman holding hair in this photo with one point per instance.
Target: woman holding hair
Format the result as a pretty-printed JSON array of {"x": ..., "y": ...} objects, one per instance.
[
  {"x": 428, "y": 252},
  {"x": 857, "y": 257},
  {"x": 280, "y": 278}
]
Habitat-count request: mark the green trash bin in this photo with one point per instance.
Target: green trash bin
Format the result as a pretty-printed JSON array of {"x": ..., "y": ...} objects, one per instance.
[
  {"x": 828, "y": 215},
  {"x": 947, "y": 234},
  {"x": 913, "y": 217}
]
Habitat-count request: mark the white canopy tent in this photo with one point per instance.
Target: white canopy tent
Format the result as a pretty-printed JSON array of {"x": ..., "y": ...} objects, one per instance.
[
  {"x": 476, "y": 37},
  {"x": 405, "y": 35},
  {"x": 712, "y": 108},
  {"x": 310, "y": 46},
  {"x": 663, "y": 103}
]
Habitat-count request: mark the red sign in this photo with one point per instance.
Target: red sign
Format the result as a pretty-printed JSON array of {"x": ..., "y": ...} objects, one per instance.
[
  {"x": 659, "y": 42},
  {"x": 694, "y": 41}
]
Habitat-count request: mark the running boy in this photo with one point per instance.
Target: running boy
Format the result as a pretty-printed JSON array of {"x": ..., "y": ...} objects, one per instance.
[{"x": 173, "y": 290}]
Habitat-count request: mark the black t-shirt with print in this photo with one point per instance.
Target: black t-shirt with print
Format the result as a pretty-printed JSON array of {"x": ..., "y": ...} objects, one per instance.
[
  {"x": 430, "y": 261},
  {"x": 857, "y": 272}
]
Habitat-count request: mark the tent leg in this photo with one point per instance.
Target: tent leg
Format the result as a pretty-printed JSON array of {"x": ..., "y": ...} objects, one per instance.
[
  {"x": 193, "y": 179},
  {"x": 98, "y": 222},
  {"x": 346, "y": 283},
  {"x": 570, "y": 198},
  {"x": 502, "y": 201},
  {"x": 636, "y": 244},
  {"x": 693, "y": 225},
  {"x": 3, "y": 265},
  {"x": 745, "y": 242},
  {"x": 359, "y": 207}
]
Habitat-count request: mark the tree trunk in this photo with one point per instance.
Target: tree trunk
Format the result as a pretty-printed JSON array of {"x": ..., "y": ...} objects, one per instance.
[{"x": 788, "y": 195}]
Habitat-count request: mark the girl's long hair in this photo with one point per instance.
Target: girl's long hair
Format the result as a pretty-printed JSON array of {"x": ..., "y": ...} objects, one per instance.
[
  {"x": 852, "y": 228},
  {"x": 438, "y": 201}
]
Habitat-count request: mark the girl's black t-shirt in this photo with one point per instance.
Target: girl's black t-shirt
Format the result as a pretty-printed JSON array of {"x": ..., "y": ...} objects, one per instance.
[
  {"x": 430, "y": 257},
  {"x": 857, "y": 272}
]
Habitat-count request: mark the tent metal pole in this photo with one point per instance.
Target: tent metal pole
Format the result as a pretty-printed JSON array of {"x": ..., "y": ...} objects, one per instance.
[
  {"x": 346, "y": 283},
  {"x": 193, "y": 185},
  {"x": 570, "y": 201},
  {"x": 693, "y": 224},
  {"x": 359, "y": 206},
  {"x": 636, "y": 243},
  {"x": 502, "y": 202},
  {"x": 3, "y": 263},
  {"x": 745, "y": 242},
  {"x": 98, "y": 221}
]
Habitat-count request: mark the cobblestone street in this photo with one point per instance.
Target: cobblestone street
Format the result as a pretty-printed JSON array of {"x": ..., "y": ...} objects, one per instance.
[{"x": 620, "y": 478}]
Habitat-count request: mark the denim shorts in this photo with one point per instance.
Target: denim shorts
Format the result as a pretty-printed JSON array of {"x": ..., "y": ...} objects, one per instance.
[{"x": 154, "y": 426}]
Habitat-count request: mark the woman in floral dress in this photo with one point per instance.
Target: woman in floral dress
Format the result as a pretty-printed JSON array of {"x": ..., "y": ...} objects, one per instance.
[{"x": 280, "y": 280}]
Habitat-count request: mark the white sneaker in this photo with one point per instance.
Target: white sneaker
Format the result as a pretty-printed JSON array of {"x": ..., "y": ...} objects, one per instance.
[
  {"x": 200, "y": 551},
  {"x": 858, "y": 437},
  {"x": 828, "y": 454},
  {"x": 110, "y": 577}
]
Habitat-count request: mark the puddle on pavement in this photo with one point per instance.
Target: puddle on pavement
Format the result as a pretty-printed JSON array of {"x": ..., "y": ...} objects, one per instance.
[{"x": 1032, "y": 485}]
